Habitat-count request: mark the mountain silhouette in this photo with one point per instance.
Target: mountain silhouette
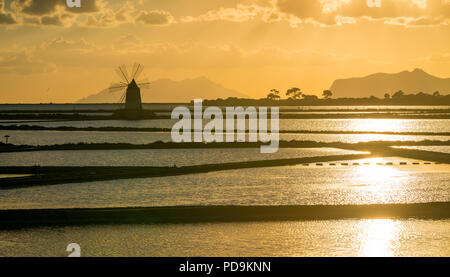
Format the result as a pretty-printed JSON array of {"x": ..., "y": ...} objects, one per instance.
[
  {"x": 380, "y": 83},
  {"x": 166, "y": 90}
]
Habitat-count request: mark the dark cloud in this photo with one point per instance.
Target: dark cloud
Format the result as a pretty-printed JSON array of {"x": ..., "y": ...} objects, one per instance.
[
  {"x": 90, "y": 6},
  {"x": 51, "y": 20},
  {"x": 99, "y": 13},
  {"x": 46, "y": 7},
  {"x": 53, "y": 12},
  {"x": 6, "y": 17},
  {"x": 35, "y": 7},
  {"x": 302, "y": 9}
]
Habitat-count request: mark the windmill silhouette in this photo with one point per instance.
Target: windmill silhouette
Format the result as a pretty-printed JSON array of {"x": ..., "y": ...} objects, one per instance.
[{"x": 130, "y": 87}]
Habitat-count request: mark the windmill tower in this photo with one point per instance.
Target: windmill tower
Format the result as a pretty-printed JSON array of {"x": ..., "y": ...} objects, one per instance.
[{"x": 131, "y": 88}]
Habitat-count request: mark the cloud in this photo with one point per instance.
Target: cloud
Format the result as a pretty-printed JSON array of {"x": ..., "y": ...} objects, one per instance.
[
  {"x": 108, "y": 17},
  {"x": 47, "y": 7},
  {"x": 62, "y": 44},
  {"x": 197, "y": 55},
  {"x": 166, "y": 56},
  {"x": 102, "y": 13},
  {"x": 52, "y": 12},
  {"x": 51, "y": 20},
  {"x": 129, "y": 42},
  {"x": 415, "y": 22},
  {"x": 399, "y": 12},
  {"x": 155, "y": 17},
  {"x": 35, "y": 7},
  {"x": 23, "y": 62},
  {"x": 128, "y": 14},
  {"x": 240, "y": 13},
  {"x": 93, "y": 13},
  {"x": 271, "y": 11},
  {"x": 6, "y": 17}
]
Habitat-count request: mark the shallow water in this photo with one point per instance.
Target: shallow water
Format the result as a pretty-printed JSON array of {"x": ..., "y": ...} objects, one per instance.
[
  {"x": 63, "y": 137},
  {"x": 336, "y": 183},
  {"x": 364, "y": 125},
  {"x": 370, "y": 237},
  {"x": 442, "y": 149},
  {"x": 158, "y": 157},
  {"x": 289, "y": 185}
]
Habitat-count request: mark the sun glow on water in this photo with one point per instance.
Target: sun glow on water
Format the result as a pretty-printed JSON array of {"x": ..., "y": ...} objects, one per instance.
[
  {"x": 379, "y": 179},
  {"x": 379, "y": 125},
  {"x": 378, "y": 237},
  {"x": 376, "y": 170}
]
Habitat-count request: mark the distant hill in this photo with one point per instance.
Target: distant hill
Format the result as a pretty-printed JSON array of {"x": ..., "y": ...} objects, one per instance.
[
  {"x": 165, "y": 90},
  {"x": 380, "y": 83}
]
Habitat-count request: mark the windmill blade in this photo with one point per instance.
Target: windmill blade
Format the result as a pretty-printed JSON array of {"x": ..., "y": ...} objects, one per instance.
[
  {"x": 123, "y": 73},
  {"x": 123, "y": 68},
  {"x": 117, "y": 87},
  {"x": 145, "y": 80},
  {"x": 114, "y": 90},
  {"x": 137, "y": 70},
  {"x": 144, "y": 84},
  {"x": 133, "y": 71},
  {"x": 119, "y": 73},
  {"x": 122, "y": 98}
]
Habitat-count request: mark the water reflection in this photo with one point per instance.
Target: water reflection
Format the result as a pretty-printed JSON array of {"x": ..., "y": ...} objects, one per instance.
[
  {"x": 61, "y": 137},
  {"x": 291, "y": 185},
  {"x": 376, "y": 169},
  {"x": 350, "y": 237},
  {"x": 377, "y": 178},
  {"x": 378, "y": 125},
  {"x": 378, "y": 237}
]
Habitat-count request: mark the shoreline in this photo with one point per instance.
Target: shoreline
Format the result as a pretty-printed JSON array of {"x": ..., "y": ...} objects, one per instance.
[
  {"x": 359, "y": 146},
  {"x": 79, "y": 117},
  {"x": 55, "y": 175},
  {"x": 12, "y": 219},
  {"x": 168, "y": 130}
]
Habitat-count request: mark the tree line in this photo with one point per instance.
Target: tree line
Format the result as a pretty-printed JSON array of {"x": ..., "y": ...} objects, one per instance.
[
  {"x": 295, "y": 97},
  {"x": 296, "y": 94}
]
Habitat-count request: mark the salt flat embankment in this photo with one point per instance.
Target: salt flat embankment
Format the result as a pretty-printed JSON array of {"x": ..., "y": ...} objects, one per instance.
[{"x": 11, "y": 219}]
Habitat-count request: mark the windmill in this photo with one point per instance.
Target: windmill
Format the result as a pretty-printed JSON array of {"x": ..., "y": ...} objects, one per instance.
[{"x": 131, "y": 88}]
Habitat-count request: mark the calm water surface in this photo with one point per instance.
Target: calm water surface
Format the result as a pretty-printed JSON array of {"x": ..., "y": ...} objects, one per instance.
[
  {"x": 158, "y": 157},
  {"x": 290, "y": 185},
  {"x": 335, "y": 183},
  {"x": 443, "y": 149},
  {"x": 59, "y": 137},
  {"x": 378, "y": 125},
  {"x": 371, "y": 237}
]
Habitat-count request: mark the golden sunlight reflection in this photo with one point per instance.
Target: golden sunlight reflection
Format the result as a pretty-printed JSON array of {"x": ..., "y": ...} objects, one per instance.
[
  {"x": 376, "y": 170},
  {"x": 378, "y": 178},
  {"x": 378, "y": 237},
  {"x": 378, "y": 125}
]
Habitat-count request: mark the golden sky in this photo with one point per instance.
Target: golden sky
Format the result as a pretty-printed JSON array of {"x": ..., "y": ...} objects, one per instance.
[{"x": 50, "y": 53}]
